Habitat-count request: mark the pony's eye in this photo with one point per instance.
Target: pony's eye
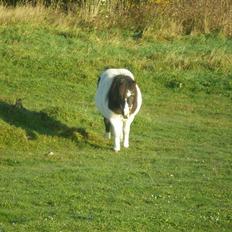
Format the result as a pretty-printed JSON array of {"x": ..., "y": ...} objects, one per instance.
[{"x": 130, "y": 100}]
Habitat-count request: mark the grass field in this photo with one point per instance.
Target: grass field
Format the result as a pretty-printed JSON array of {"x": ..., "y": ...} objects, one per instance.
[{"x": 57, "y": 172}]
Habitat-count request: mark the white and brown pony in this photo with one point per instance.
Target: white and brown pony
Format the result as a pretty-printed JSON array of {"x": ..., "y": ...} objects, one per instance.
[{"x": 119, "y": 99}]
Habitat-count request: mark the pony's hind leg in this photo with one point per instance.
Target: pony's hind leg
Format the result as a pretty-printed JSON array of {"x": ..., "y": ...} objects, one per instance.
[{"x": 107, "y": 128}]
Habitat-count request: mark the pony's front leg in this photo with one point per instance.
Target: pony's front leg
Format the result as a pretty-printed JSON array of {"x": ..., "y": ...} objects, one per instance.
[
  {"x": 117, "y": 128},
  {"x": 126, "y": 131}
]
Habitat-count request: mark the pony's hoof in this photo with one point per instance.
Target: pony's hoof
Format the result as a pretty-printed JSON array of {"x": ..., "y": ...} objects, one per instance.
[{"x": 126, "y": 144}]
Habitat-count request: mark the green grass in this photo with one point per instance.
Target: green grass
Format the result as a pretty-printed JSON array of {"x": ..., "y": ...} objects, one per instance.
[{"x": 57, "y": 172}]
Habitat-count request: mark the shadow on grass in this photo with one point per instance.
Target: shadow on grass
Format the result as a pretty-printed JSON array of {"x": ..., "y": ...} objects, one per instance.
[{"x": 35, "y": 123}]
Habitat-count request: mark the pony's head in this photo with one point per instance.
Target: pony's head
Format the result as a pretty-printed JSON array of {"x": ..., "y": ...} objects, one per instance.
[{"x": 123, "y": 96}]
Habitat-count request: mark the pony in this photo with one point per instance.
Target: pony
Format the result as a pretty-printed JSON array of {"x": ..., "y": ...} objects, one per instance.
[{"x": 119, "y": 99}]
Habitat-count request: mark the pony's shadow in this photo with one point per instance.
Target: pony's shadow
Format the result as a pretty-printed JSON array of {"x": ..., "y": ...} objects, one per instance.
[{"x": 35, "y": 123}]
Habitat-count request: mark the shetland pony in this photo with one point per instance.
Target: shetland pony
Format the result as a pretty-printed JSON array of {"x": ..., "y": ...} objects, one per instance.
[{"x": 119, "y": 99}]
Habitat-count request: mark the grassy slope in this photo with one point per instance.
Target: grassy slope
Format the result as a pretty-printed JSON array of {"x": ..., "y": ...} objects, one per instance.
[{"x": 176, "y": 176}]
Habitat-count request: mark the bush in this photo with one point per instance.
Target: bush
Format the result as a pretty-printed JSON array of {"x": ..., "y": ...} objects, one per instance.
[{"x": 165, "y": 17}]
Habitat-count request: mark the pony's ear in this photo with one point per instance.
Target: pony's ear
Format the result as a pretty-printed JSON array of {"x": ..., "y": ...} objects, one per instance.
[{"x": 133, "y": 82}]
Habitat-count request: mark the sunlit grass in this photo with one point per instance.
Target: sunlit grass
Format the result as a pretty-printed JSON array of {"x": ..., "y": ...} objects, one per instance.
[{"x": 57, "y": 172}]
